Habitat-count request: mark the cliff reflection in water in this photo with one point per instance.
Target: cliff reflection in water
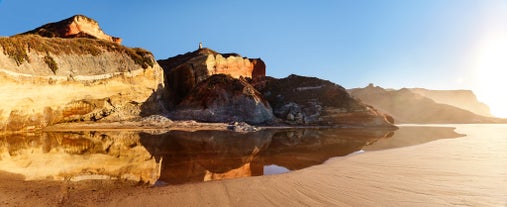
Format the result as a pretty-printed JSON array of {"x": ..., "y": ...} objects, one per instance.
[{"x": 175, "y": 157}]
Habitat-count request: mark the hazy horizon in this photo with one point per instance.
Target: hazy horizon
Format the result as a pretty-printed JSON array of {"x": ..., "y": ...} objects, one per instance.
[{"x": 456, "y": 44}]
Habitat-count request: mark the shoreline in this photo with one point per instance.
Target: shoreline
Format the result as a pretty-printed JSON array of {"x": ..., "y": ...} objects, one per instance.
[{"x": 436, "y": 173}]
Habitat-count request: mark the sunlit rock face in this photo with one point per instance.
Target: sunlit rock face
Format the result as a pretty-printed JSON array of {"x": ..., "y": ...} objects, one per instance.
[
  {"x": 300, "y": 100},
  {"x": 78, "y": 155},
  {"x": 406, "y": 106},
  {"x": 185, "y": 72},
  {"x": 221, "y": 98},
  {"x": 76, "y": 26},
  {"x": 52, "y": 80}
]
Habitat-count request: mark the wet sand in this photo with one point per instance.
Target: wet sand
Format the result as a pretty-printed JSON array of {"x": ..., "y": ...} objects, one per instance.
[{"x": 468, "y": 171}]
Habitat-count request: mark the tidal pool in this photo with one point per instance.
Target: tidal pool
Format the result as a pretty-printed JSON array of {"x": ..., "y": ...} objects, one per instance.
[{"x": 178, "y": 157}]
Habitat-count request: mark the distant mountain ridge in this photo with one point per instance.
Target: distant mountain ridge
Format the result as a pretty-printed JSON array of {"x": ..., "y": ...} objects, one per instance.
[
  {"x": 464, "y": 99},
  {"x": 407, "y": 106}
]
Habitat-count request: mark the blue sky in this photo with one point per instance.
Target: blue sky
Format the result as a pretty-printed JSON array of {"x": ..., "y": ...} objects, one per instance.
[{"x": 437, "y": 44}]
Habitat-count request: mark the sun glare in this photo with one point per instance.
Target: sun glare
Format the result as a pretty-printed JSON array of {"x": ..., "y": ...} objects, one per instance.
[{"x": 491, "y": 75}]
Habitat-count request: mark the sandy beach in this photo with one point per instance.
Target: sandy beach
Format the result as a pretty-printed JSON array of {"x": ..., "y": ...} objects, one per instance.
[{"x": 467, "y": 171}]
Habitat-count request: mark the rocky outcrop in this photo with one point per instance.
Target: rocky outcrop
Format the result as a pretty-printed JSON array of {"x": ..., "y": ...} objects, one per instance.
[
  {"x": 207, "y": 86},
  {"x": 409, "y": 107},
  {"x": 76, "y": 26},
  {"x": 464, "y": 99},
  {"x": 300, "y": 100},
  {"x": 184, "y": 72},
  {"x": 222, "y": 98},
  {"x": 52, "y": 80}
]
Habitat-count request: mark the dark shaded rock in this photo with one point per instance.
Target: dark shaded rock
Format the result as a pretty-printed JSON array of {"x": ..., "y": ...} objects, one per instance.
[
  {"x": 222, "y": 98},
  {"x": 302, "y": 100}
]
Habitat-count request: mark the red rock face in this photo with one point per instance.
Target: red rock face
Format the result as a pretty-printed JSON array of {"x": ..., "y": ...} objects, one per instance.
[
  {"x": 184, "y": 72},
  {"x": 76, "y": 26},
  {"x": 259, "y": 68}
]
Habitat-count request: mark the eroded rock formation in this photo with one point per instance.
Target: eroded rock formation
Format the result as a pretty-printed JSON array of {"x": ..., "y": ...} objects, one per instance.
[{"x": 76, "y": 26}]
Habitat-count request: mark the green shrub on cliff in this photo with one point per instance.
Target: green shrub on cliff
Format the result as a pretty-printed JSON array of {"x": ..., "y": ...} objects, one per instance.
[
  {"x": 51, "y": 63},
  {"x": 17, "y": 47}
]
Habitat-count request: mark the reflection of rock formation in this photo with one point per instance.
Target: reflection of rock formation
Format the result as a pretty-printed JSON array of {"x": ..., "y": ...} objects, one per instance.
[
  {"x": 206, "y": 155},
  {"x": 78, "y": 155},
  {"x": 300, "y": 148},
  {"x": 175, "y": 157}
]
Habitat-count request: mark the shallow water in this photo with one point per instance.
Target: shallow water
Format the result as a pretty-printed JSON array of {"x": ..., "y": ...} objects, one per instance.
[{"x": 179, "y": 157}]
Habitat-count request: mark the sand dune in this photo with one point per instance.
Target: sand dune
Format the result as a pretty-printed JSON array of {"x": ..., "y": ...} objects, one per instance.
[{"x": 468, "y": 171}]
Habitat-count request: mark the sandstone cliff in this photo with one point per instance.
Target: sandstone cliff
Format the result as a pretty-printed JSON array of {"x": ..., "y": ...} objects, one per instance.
[
  {"x": 409, "y": 107},
  {"x": 464, "y": 99},
  {"x": 53, "y": 80}
]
